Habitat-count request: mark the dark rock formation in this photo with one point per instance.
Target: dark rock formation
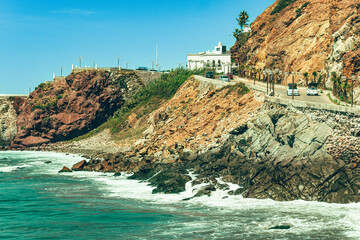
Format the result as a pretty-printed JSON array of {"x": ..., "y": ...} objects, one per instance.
[{"x": 283, "y": 156}]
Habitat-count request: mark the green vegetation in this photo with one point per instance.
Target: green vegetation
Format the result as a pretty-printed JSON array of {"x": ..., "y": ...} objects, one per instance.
[
  {"x": 42, "y": 86},
  {"x": 299, "y": 10},
  {"x": 51, "y": 105},
  {"x": 239, "y": 87},
  {"x": 341, "y": 88},
  {"x": 306, "y": 76},
  {"x": 335, "y": 101},
  {"x": 281, "y": 5},
  {"x": 145, "y": 101},
  {"x": 239, "y": 34}
]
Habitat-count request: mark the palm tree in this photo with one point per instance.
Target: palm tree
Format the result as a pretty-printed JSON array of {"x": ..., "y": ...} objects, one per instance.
[
  {"x": 306, "y": 75},
  {"x": 314, "y": 75},
  {"x": 243, "y": 20},
  {"x": 237, "y": 34}
]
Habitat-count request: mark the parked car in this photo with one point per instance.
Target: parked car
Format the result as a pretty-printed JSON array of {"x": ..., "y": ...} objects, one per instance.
[
  {"x": 290, "y": 89},
  {"x": 209, "y": 74},
  {"x": 142, "y": 69},
  {"x": 230, "y": 76},
  {"x": 224, "y": 78},
  {"x": 312, "y": 90}
]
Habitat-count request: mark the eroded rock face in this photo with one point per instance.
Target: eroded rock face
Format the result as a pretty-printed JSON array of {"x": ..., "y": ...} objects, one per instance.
[
  {"x": 284, "y": 156},
  {"x": 306, "y": 36},
  {"x": 8, "y": 127},
  {"x": 70, "y": 107}
]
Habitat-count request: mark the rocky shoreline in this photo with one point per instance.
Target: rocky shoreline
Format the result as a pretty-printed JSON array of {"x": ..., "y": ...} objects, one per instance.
[{"x": 282, "y": 153}]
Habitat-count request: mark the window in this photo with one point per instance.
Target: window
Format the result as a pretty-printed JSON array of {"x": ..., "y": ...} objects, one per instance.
[
  {"x": 214, "y": 63},
  {"x": 218, "y": 49},
  {"x": 208, "y": 63}
]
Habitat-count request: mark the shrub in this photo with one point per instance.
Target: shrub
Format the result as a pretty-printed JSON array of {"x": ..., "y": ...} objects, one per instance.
[
  {"x": 299, "y": 10},
  {"x": 148, "y": 98},
  {"x": 281, "y": 5}
]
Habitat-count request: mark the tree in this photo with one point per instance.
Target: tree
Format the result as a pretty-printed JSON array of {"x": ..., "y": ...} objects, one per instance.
[
  {"x": 314, "y": 75},
  {"x": 306, "y": 75},
  {"x": 239, "y": 34},
  {"x": 243, "y": 20}
]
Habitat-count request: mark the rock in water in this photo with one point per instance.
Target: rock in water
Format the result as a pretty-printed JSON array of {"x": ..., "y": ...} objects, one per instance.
[
  {"x": 283, "y": 227},
  {"x": 65, "y": 169},
  {"x": 79, "y": 166}
]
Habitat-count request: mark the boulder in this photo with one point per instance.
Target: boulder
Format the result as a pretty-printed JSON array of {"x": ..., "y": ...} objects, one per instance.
[
  {"x": 79, "y": 166},
  {"x": 205, "y": 190},
  {"x": 65, "y": 169}
]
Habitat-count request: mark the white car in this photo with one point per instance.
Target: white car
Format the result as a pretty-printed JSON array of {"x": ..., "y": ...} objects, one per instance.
[
  {"x": 289, "y": 90},
  {"x": 224, "y": 78},
  {"x": 312, "y": 91}
]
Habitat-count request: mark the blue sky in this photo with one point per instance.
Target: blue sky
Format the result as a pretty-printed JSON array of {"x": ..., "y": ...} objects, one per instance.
[{"x": 39, "y": 36}]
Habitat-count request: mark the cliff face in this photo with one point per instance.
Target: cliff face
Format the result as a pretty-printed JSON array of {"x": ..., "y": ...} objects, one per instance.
[
  {"x": 72, "y": 106},
  {"x": 227, "y": 135},
  {"x": 8, "y": 127},
  {"x": 306, "y": 36}
]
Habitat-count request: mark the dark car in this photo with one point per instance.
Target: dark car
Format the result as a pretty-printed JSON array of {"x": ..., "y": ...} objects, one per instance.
[
  {"x": 209, "y": 75},
  {"x": 142, "y": 69},
  {"x": 230, "y": 76}
]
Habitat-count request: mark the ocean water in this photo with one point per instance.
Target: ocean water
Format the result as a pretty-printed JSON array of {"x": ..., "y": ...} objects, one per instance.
[{"x": 36, "y": 202}]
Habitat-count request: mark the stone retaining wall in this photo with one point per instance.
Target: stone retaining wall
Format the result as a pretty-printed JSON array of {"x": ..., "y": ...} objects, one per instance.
[{"x": 311, "y": 105}]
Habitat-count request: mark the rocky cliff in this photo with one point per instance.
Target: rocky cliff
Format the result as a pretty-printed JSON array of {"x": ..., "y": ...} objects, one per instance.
[
  {"x": 72, "y": 106},
  {"x": 229, "y": 135},
  {"x": 8, "y": 127},
  {"x": 305, "y": 36}
]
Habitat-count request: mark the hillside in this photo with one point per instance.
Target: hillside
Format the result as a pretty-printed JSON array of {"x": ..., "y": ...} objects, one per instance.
[
  {"x": 70, "y": 107},
  {"x": 229, "y": 135},
  {"x": 305, "y": 36}
]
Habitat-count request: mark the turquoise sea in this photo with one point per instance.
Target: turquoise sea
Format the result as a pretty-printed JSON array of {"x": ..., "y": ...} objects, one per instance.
[{"x": 36, "y": 202}]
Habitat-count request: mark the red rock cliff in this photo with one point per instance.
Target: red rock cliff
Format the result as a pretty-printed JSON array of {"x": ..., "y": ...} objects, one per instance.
[{"x": 71, "y": 106}]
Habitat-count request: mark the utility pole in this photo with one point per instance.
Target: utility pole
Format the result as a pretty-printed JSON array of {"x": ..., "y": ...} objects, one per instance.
[
  {"x": 80, "y": 58},
  {"x": 118, "y": 59},
  {"x": 127, "y": 65},
  {"x": 267, "y": 82},
  {"x": 153, "y": 63},
  {"x": 292, "y": 86},
  {"x": 61, "y": 71},
  {"x": 353, "y": 77},
  {"x": 157, "y": 56},
  {"x": 94, "y": 64}
]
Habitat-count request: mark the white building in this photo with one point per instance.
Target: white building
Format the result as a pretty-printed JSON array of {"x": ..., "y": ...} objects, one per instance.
[{"x": 218, "y": 59}]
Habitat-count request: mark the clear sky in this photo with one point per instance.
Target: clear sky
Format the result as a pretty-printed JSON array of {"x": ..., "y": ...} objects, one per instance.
[{"x": 39, "y": 36}]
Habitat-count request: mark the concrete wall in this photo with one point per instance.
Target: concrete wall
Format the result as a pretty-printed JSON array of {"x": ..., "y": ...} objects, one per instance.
[
  {"x": 311, "y": 105},
  {"x": 78, "y": 69},
  {"x": 146, "y": 76}
]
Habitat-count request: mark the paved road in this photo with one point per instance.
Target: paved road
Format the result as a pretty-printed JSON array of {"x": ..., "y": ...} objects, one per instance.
[
  {"x": 281, "y": 91},
  {"x": 216, "y": 82}
]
